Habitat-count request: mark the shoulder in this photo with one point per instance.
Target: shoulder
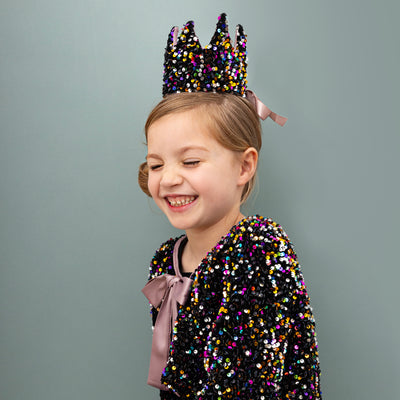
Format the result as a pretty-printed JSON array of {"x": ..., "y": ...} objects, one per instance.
[
  {"x": 261, "y": 231},
  {"x": 162, "y": 261},
  {"x": 272, "y": 239},
  {"x": 270, "y": 254},
  {"x": 261, "y": 244}
]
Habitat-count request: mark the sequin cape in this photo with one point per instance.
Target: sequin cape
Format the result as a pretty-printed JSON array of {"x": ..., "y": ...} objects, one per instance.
[{"x": 247, "y": 331}]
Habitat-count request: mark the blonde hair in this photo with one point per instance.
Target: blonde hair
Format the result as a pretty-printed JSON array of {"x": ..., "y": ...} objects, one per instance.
[{"x": 232, "y": 120}]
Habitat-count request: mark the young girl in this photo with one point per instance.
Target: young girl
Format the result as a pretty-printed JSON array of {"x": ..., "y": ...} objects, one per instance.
[{"x": 231, "y": 315}]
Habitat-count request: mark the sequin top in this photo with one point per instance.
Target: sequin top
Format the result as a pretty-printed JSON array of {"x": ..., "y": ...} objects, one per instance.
[{"x": 247, "y": 330}]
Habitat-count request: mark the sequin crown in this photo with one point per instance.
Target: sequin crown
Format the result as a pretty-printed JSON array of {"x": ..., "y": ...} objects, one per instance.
[{"x": 219, "y": 67}]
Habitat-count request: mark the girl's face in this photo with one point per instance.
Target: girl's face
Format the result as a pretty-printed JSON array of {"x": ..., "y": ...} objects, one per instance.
[{"x": 193, "y": 179}]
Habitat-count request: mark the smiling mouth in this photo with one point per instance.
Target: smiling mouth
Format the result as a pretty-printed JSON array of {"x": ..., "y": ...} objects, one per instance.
[{"x": 180, "y": 201}]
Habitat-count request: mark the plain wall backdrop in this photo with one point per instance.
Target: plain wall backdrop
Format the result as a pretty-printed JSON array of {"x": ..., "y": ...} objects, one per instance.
[{"x": 77, "y": 80}]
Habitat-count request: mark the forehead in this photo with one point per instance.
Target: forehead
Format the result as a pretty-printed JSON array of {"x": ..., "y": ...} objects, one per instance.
[{"x": 181, "y": 127}]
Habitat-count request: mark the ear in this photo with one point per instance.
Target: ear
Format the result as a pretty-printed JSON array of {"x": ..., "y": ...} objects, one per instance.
[{"x": 248, "y": 167}]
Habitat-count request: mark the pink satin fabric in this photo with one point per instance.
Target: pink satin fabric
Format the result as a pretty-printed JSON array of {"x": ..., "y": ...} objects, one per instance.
[
  {"x": 263, "y": 111},
  {"x": 175, "y": 37},
  {"x": 165, "y": 290}
]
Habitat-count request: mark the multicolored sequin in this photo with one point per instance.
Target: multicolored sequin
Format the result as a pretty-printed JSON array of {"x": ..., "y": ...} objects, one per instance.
[
  {"x": 247, "y": 331},
  {"x": 219, "y": 67}
]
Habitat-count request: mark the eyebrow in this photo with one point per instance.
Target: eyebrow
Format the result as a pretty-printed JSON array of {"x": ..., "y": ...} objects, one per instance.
[{"x": 180, "y": 151}]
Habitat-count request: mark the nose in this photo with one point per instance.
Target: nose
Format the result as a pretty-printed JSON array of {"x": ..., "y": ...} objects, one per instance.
[{"x": 170, "y": 176}]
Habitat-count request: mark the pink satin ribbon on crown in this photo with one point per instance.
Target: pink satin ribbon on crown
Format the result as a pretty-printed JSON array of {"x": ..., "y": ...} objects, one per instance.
[
  {"x": 165, "y": 290},
  {"x": 263, "y": 111}
]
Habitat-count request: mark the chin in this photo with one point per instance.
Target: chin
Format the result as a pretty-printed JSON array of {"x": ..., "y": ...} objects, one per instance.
[{"x": 181, "y": 225}]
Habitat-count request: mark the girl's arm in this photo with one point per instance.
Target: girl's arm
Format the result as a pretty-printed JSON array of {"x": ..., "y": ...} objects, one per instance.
[
  {"x": 262, "y": 344},
  {"x": 249, "y": 330}
]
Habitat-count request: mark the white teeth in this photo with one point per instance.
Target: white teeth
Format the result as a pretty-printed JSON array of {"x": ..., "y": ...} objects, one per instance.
[{"x": 182, "y": 202}]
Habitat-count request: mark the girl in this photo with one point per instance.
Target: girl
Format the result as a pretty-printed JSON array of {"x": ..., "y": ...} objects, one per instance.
[{"x": 231, "y": 313}]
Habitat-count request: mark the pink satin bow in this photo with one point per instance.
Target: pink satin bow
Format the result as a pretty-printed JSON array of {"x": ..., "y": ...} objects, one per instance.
[
  {"x": 263, "y": 111},
  {"x": 167, "y": 290}
]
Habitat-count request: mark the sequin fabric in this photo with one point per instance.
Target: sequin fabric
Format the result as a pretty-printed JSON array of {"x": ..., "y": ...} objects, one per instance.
[
  {"x": 219, "y": 67},
  {"x": 247, "y": 330}
]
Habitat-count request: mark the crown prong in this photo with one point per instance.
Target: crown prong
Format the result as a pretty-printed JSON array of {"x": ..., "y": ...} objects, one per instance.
[
  {"x": 221, "y": 33},
  {"x": 222, "y": 23},
  {"x": 240, "y": 37}
]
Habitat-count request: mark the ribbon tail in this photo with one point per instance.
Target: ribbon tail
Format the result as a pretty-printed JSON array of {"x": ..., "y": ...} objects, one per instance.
[
  {"x": 278, "y": 118},
  {"x": 263, "y": 111},
  {"x": 160, "y": 345},
  {"x": 167, "y": 290}
]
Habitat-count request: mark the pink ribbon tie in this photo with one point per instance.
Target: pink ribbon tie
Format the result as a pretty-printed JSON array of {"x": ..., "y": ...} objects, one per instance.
[
  {"x": 165, "y": 290},
  {"x": 263, "y": 111}
]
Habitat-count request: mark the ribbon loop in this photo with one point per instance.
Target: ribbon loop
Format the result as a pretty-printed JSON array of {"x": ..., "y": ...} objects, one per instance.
[{"x": 155, "y": 290}]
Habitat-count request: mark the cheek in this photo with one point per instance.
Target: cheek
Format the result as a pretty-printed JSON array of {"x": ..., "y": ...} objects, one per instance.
[{"x": 152, "y": 184}]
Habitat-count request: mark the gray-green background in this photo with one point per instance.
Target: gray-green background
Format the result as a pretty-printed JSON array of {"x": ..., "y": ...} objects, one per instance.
[{"x": 77, "y": 79}]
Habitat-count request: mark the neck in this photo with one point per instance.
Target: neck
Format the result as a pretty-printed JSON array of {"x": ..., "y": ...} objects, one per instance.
[{"x": 200, "y": 242}]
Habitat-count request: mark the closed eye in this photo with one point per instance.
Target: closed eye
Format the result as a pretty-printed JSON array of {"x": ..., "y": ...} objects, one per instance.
[
  {"x": 155, "y": 167},
  {"x": 191, "y": 163}
]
